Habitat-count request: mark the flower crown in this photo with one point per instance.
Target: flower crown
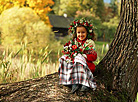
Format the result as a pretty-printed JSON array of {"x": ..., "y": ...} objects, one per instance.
[{"x": 82, "y": 22}]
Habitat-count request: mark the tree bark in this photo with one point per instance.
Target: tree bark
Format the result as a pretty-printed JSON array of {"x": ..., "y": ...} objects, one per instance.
[
  {"x": 121, "y": 61},
  {"x": 47, "y": 89}
]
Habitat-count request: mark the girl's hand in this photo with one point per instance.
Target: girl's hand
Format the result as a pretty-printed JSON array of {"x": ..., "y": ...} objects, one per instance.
[{"x": 84, "y": 55}]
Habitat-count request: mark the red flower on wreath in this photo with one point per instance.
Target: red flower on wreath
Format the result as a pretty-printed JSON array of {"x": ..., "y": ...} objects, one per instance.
[
  {"x": 87, "y": 24},
  {"x": 81, "y": 50},
  {"x": 91, "y": 46},
  {"x": 91, "y": 25},
  {"x": 74, "y": 47},
  {"x": 65, "y": 52}
]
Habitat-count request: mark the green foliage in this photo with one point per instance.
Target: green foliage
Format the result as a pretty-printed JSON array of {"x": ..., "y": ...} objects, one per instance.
[
  {"x": 60, "y": 6},
  {"x": 114, "y": 7},
  {"x": 72, "y": 7},
  {"x": 88, "y": 5},
  {"x": 112, "y": 22},
  {"x": 109, "y": 28},
  {"x": 100, "y": 9}
]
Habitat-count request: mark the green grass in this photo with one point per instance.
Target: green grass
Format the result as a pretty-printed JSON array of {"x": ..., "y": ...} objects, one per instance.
[
  {"x": 100, "y": 43},
  {"x": 101, "y": 49}
]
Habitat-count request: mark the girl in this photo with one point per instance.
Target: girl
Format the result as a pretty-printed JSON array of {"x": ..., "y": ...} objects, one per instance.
[{"x": 76, "y": 65}]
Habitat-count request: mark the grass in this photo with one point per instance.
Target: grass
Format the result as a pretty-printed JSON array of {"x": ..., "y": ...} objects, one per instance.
[
  {"x": 136, "y": 100},
  {"x": 101, "y": 49},
  {"x": 22, "y": 65},
  {"x": 100, "y": 43}
]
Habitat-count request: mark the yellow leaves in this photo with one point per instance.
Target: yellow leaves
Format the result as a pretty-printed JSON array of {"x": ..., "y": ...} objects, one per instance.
[
  {"x": 31, "y": 3},
  {"x": 7, "y": 5},
  {"x": 40, "y": 11},
  {"x": 41, "y": 7},
  {"x": 21, "y": 1}
]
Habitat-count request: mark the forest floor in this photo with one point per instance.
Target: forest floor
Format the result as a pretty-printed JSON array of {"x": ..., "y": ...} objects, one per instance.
[{"x": 47, "y": 89}]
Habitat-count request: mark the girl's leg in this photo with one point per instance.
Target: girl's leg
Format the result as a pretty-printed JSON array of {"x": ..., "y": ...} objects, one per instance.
[
  {"x": 84, "y": 76},
  {"x": 75, "y": 87},
  {"x": 84, "y": 88}
]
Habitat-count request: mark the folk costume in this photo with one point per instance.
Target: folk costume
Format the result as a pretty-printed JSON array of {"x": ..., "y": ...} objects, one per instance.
[{"x": 76, "y": 65}]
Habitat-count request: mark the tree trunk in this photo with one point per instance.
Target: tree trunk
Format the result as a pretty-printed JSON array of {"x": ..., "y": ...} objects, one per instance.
[{"x": 120, "y": 65}]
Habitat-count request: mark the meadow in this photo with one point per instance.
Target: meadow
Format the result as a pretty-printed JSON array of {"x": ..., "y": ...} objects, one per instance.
[{"x": 22, "y": 65}]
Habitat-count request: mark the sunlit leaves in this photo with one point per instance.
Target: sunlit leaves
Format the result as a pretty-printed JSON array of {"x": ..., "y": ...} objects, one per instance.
[{"x": 41, "y": 7}]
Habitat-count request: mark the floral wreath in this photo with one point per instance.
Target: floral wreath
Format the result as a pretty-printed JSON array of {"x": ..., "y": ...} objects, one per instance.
[{"x": 82, "y": 22}]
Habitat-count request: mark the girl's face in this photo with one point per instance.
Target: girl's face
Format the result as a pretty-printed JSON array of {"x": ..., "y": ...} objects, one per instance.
[{"x": 81, "y": 33}]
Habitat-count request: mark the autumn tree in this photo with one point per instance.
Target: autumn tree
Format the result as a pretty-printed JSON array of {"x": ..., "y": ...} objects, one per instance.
[
  {"x": 41, "y": 7},
  {"x": 22, "y": 25},
  {"x": 119, "y": 68}
]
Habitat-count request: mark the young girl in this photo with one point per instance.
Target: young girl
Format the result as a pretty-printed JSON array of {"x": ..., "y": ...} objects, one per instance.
[{"x": 76, "y": 65}]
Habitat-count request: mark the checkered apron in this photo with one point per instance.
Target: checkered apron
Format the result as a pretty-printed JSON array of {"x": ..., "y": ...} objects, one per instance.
[{"x": 75, "y": 73}]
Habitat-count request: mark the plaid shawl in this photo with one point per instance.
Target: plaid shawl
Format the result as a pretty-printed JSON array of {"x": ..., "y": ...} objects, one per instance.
[{"x": 75, "y": 73}]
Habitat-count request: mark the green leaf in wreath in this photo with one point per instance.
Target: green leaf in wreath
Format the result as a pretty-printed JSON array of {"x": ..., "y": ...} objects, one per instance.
[{"x": 87, "y": 48}]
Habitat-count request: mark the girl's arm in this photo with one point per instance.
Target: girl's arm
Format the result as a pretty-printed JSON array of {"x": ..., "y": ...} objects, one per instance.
[{"x": 91, "y": 55}]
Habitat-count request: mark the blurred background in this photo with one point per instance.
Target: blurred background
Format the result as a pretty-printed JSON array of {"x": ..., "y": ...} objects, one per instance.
[{"x": 33, "y": 32}]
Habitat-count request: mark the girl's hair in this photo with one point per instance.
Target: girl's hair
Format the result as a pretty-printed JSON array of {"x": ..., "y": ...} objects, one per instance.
[{"x": 75, "y": 34}]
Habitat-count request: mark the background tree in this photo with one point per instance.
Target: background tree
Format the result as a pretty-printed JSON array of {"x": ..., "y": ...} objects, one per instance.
[
  {"x": 22, "y": 25},
  {"x": 72, "y": 7},
  {"x": 88, "y": 5},
  {"x": 59, "y": 6},
  {"x": 100, "y": 9},
  {"x": 119, "y": 68},
  {"x": 41, "y": 7},
  {"x": 114, "y": 7}
]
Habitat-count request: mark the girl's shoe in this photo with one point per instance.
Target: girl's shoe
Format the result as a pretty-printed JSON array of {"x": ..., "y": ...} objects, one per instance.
[
  {"x": 84, "y": 88},
  {"x": 75, "y": 87}
]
